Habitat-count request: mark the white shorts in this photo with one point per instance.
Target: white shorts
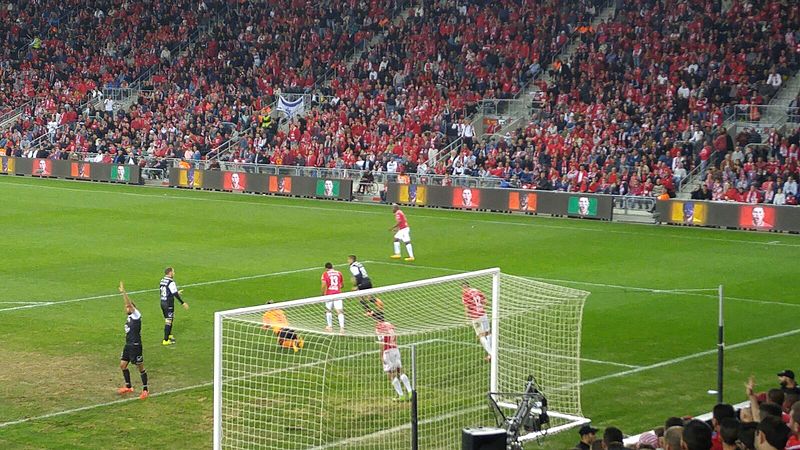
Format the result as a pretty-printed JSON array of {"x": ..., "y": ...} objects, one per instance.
[
  {"x": 403, "y": 235},
  {"x": 481, "y": 325},
  {"x": 336, "y": 304},
  {"x": 391, "y": 360}
]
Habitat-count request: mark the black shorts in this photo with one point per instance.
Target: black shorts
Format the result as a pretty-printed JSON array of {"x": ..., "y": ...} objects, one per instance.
[
  {"x": 366, "y": 283},
  {"x": 132, "y": 353},
  {"x": 287, "y": 334},
  {"x": 168, "y": 311}
]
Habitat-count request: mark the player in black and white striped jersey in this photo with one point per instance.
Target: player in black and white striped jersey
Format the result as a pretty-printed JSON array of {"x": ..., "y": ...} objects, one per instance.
[
  {"x": 132, "y": 352},
  {"x": 168, "y": 291},
  {"x": 360, "y": 277}
]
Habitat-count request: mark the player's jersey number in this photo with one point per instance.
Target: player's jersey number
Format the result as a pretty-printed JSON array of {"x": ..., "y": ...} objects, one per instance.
[{"x": 333, "y": 281}]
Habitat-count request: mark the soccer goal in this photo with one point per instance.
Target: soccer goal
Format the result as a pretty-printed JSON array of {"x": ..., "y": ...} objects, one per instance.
[{"x": 281, "y": 381}]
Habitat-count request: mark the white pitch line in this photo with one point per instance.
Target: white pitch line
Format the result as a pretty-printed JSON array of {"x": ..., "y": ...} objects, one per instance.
[
  {"x": 680, "y": 359},
  {"x": 691, "y": 292},
  {"x": 20, "y": 303},
  {"x": 605, "y": 230},
  {"x": 197, "y": 386},
  {"x": 406, "y": 426},
  {"x": 583, "y": 383},
  {"x": 142, "y": 291},
  {"x": 596, "y": 361}
]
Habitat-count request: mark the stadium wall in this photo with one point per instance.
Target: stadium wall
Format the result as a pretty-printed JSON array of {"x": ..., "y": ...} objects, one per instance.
[
  {"x": 220, "y": 180},
  {"x": 745, "y": 216},
  {"x": 73, "y": 170},
  {"x": 587, "y": 206}
]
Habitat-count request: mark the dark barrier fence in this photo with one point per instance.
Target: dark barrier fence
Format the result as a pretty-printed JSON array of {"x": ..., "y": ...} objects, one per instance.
[
  {"x": 506, "y": 200},
  {"x": 261, "y": 183},
  {"x": 729, "y": 215},
  {"x": 75, "y": 170}
]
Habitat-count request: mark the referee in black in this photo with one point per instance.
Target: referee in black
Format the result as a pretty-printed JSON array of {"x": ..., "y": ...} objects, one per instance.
[
  {"x": 133, "y": 346},
  {"x": 169, "y": 292},
  {"x": 361, "y": 280}
]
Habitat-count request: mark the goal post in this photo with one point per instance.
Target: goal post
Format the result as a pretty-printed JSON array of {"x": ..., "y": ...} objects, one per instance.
[{"x": 281, "y": 381}]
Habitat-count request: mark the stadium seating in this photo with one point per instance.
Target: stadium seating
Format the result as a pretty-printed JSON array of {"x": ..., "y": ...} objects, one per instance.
[
  {"x": 632, "y": 112},
  {"x": 633, "y": 99}
]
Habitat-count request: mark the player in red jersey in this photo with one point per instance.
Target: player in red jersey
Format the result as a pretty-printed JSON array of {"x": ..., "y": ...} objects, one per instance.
[
  {"x": 475, "y": 307},
  {"x": 403, "y": 234},
  {"x": 390, "y": 358},
  {"x": 332, "y": 282}
]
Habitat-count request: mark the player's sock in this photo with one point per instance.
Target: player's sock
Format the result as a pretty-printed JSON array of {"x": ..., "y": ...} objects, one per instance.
[
  {"x": 396, "y": 247},
  {"x": 329, "y": 318},
  {"x": 487, "y": 344},
  {"x": 167, "y": 331},
  {"x": 397, "y": 387},
  {"x": 406, "y": 382},
  {"x": 127, "y": 374},
  {"x": 144, "y": 379},
  {"x": 410, "y": 250},
  {"x": 341, "y": 321}
]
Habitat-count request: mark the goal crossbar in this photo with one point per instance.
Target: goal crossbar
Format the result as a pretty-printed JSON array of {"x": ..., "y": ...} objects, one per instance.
[{"x": 357, "y": 294}]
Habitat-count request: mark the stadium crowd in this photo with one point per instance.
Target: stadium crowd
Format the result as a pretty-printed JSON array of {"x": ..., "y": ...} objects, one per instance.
[
  {"x": 639, "y": 105},
  {"x": 643, "y": 100},
  {"x": 771, "y": 421}
]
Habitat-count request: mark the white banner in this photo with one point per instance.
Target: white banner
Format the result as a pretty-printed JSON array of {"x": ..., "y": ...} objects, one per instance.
[{"x": 291, "y": 108}]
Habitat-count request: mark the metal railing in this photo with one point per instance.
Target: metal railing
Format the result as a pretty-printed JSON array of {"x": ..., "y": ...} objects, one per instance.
[
  {"x": 10, "y": 118},
  {"x": 762, "y": 116},
  {"x": 119, "y": 94},
  {"x": 224, "y": 148}
]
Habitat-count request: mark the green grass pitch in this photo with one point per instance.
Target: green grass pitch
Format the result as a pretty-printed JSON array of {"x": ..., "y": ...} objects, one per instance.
[{"x": 647, "y": 345}]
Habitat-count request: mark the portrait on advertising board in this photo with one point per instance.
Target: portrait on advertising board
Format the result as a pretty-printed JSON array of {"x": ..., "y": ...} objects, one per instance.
[
  {"x": 7, "y": 165},
  {"x": 280, "y": 185},
  {"x": 234, "y": 181},
  {"x": 690, "y": 213},
  {"x": 42, "y": 167},
  {"x": 757, "y": 216},
  {"x": 582, "y": 206},
  {"x": 190, "y": 177},
  {"x": 80, "y": 170},
  {"x": 412, "y": 194},
  {"x": 121, "y": 173},
  {"x": 522, "y": 201},
  {"x": 466, "y": 198},
  {"x": 328, "y": 188}
]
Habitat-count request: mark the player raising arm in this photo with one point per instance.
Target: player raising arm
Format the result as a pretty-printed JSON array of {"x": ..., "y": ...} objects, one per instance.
[
  {"x": 475, "y": 307},
  {"x": 133, "y": 346},
  {"x": 390, "y": 358},
  {"x": 169, "y": 292},
  {"x": 332, "y": 282}
]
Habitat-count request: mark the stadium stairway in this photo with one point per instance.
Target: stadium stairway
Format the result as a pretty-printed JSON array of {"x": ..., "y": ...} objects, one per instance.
[
  {"x": 788, "y": 92},
  {"x": 529, "y": 94},
  {"x": 569, "y": 50},
  {"x": 356, "y": 55},
  {"x": 775, "y": 115}
]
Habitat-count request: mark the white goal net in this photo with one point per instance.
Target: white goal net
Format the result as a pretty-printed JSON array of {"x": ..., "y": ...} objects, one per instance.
[{"x": 281, "y": 381}]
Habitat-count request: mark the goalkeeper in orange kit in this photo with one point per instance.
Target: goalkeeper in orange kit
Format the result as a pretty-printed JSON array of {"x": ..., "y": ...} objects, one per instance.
[{"x": 275, "y": 319}]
